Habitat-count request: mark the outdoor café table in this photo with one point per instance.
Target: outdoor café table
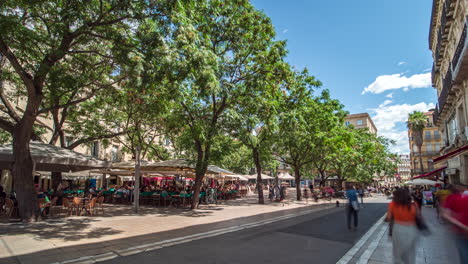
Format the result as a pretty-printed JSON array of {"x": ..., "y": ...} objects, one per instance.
[
  {"x": 175, "y": 198},
  {"x": 156, "y": 198},
  {"x": 84, "y": 202}
]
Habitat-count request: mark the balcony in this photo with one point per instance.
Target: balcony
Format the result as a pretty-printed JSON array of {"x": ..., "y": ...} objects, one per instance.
[
  {"x": 460, "y": 58},
  {"x": 446, "y": 87},
  {"x": 442, "y": 34},
  {"x": 425, "y": 153}
]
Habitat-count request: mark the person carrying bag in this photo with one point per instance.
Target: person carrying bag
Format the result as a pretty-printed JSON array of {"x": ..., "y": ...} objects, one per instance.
[
  {"x": 352, "y": 208},
  {"x": 406, "y": 223}
]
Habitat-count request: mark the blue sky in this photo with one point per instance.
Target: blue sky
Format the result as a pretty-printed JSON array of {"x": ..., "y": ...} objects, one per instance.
[{"x": 371, "y": 54}]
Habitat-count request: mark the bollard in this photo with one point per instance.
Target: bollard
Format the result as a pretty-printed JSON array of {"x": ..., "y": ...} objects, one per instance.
[{"x": 337, "y": 203}]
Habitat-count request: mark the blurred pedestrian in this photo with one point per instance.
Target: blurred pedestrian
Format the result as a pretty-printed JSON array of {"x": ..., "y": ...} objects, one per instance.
[
  {"x": 455, "y": 211},
  {"x": 418, "y": 198},
  {"x": 402, "y": 213},
  {"x": 306, "y": 195},
  {"x": 353, "y": 207},
  {"x": 361, "y": 195}
]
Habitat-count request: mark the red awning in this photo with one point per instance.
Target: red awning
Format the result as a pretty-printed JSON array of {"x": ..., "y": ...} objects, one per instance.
[
  {"x": 451, "y": 154},
  {"x": 430, "y": 173}
]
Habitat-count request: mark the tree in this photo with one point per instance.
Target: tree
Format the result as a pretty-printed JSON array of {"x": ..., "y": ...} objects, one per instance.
[
  {"x": 416, "y": 123},
  {"x": 254, "y": 120},
  {"x": 359, "y": 155},
  {"x": 297, "y": 123},
  {"x": 220, "y": 45},
  {"x": 40, "y": 38}
]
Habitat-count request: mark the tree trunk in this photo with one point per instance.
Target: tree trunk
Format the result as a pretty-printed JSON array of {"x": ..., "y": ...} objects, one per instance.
[
  {"x": 22, "y": 171},
  {"x": 56, "y": 178},
  {"x": 297, "y": 175},
  {"x": 258, "y": 167},
  {"x": 200, "y": 171},
  {"x": 323, "y": 178},
  {"x": 340, "y": 183},
  {"x": 420, "y": 159}
]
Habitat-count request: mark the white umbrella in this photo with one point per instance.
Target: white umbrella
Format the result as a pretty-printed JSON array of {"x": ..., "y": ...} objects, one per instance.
[
  {"x": 422, "y": 182},
  {"x": 285, "y": 176},
  {"x": 264, "y": 177}
]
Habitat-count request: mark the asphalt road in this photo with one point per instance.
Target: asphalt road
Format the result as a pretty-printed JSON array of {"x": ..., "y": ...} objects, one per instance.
[{"x": 320, "y": 237}]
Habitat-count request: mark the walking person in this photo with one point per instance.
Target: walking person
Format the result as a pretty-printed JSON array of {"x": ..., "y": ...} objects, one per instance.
[
  {"x": 402, "y": 212},
  {"x": 352, "y": 208},
  {"x": 361, "y": 195},
  {"x": 418, "y": 198},
  {"x": 455, "y": 211}
]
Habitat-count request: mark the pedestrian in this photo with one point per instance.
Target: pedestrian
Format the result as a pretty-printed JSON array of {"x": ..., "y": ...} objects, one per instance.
[
  {"x": 402, "y": 212},
  {"x": 455, "y": 211},
  {"x": 361, "y": 195},
  {"x": 352, "y": 208},
  {"x": 271, "y": 192},
  {"x": 418, "y": 198},
  {"x": 306, "y": 195},
  {"x": 277, "y": 192}
]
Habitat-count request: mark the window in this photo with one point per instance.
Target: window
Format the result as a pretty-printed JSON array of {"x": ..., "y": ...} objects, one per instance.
[
  {"x": 436, "y": 134},
  {"x": 359, "y": 122},
  {"x": 68, "y": 141},
  {"x": 415, "y": 148},
  {"x": 95, "y": 149},
  {"x": 429, "y": 147},
  {"x": 428, "y": 135},
  {"x": 114, "y": 153},
  {"x": 437, "y": 147},
  {"x": 452, "y": 128},
  {"x": 167, "y": 142},
  {"x": 346, "y": 123}
]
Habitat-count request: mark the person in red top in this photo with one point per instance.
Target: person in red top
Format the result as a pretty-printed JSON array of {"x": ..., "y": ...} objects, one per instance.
[
  {"x": 402, "y": 212},
  {"x": 456, "y": 212}
]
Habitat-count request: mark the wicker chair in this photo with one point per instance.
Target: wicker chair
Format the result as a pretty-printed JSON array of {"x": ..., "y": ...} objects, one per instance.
[
  {"x": 66, "y": 205},
  {"x": 77, "y": 204},
  {"x": 91, "y": 206},
  {"x": 10, "y": 208},
  {"x": 100, "y": 203}
]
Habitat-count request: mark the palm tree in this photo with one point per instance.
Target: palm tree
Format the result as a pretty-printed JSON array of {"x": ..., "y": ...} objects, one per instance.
[{"x": 416, "y": 123}]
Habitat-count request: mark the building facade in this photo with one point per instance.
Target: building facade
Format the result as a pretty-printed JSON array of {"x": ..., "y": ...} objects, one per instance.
[
  {"x": 404, "y": 168},
  {"x": 361, "y": 121},
  {"x": 432, "y": 144},
  {"x": 449, "y": 44}
]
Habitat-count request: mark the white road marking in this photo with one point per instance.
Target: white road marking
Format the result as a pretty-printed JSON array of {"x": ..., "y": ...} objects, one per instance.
[
  {"x": 364, "y": 259},
  {"x": 352, "y": 252}
]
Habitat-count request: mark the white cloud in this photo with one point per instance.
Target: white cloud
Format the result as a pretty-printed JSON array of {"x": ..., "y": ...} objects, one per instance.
[
  {"x": 427, "y": 70},
  {"x": 401, "y": 63},
  {"x": 398, "y": 81},
  {"x": 285, "y": 31},
  {"x": 390, "y": 95},
  {"x": 390, "y": 121},
  {"x": 386, "y": 102}
]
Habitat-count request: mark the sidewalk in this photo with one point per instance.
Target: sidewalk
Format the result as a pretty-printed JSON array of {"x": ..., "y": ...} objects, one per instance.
[
  {"x": 437, "y": 248},
  {"x": 58, "y": 240}
]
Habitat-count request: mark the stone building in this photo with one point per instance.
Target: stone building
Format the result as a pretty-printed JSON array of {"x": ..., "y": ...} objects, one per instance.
[
  {"x": 432, "y": 143},
  {"x": 404, "y": 168},
  {"x": 362, "y": 120},
  {"x": 448, "y": 43}
]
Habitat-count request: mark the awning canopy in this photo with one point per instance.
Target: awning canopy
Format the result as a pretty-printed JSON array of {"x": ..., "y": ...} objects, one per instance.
[
  {"x": 264, "y": 177},
  {"x": 451, "y": 154},
  {"x": 52, "y": 158},
  {"x": 285, "y": 176},
  {"x": 430, "y": 173},
  {"x": 422, "y": 182}
]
